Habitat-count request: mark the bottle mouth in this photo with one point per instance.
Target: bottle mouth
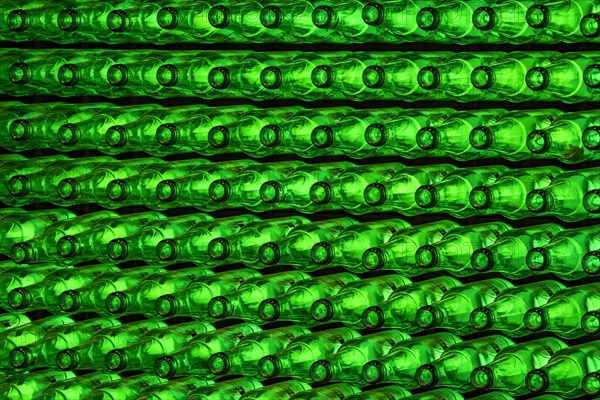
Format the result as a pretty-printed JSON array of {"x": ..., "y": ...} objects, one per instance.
[
  {"x": 322, "y": 76},
  {"x": 372, "y": 372},
  {"x": 270, "y": 135},
  {"x": 375, "y": 135},
  {"x": 167, "y": 191},
  {"x": 116, "y": 360},
  {"x": 218, "y": 78},
  {"x": 426, "y": 256},
  {"x": 482, "y": 378},
  {"x": 17, "y": 20},
  {"x": 68, "y": 246},
  {"x": 320, "y": 193},
  {"x": 372, "y": 259},
  {"x": 67, "y": 20},
  {"x": 117, "y": 21},
  {"x": 322, "y": 137},
  {"x": 19, "y": 130},
  {"x": 590, "y": 25},
  {"x": 167, "y": 75},
  {"x": 591, "y": 263},
  {"x": 483, "y": 18},
  {"x": 116, "y": 136},
  {"x": 18, "y": 185},
  {"x": 117, "y": 190},
  {"x": 322, "y": 17},
  {"x": 322, "y": 310},
  {"x": 167, "y": 250},
  {"x": 68, "y": 134},
  {"x": 591, "y": 201},
  {"x": 373, "y": 14},
  {"x": 428, "y": 78},
  {"x": 535, "y": 319},
  {"x": 428, "y": 18},
  {"x": 537, "y": 16},
  {"x": 481, "y": 318},
  {"x": 480, "y": 138},
  {"x": 373, "y": 77},
  {"x": 269, "y": 310},
  {"x": 426, "y": 196},
  {"x": 167, "y": 18},
  {"x": 270, "y": 191},
  {"x": 538, "y": 142},
  {"x": 67, "y": 360},
  {"x": 164, "y": 367},
  {"x": 218, "y": 363},
  {"x": 426, "y": 375},
  {"x": 482, "y": 260},
  {"x": 116, "y": 303},
  {"x": 167, "y": 134},
  {"x": 269, "y": 254},
  {"x": 19, "y": 73},
  {"x": 320, "y": 371},
  {"x": 482, "y": 77},
  {"x": 218, "y": 137},
  {"x": 218, "y": 17},
  {"x": 537, "y": 79},
  {"x": 68, "y": 74},
  {"x": 218, "y": 307},
  {"x": 68, "y": 301},
  {"x": 375, "y": 194},
  {"x": 590, "y": 138},
  {"x": 218, "y": 249},
  {"x": 322, "y": 253},
  {"x": 373, "y": 318},
  {"x": 19, "y": 298},
  {"x": 537, "y": 381},
  {"x": 426, "y": 317},
  {"x": 480, "y": 197},
  {"x": 271, "y": 78},
  {"x": 538, "y": 201},
  {"x": 21, "y": 253},
  {"x": 537, "y": 259},
  {"x": 591, "y": 384},
  {"x": 117, "y": 75},
  {"x": 117, "y": 249},
  {"x": 219, "y": 190},
  {"x": 20, "y": 357},
  {"x": 67, "y": 189},
  {"x": 165, "y": 306},
  {"x": 269, "y": 366},
  {"x": 590, "y": 322},
  {"x": 270, "y": 17}
]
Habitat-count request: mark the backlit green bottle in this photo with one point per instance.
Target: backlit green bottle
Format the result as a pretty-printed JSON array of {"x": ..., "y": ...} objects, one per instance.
[
  {"x": 90, "y": 354},
  {"x": 507, "y": 195},
  {"x": 401, "y": 362},
  {"x": 176, "y": 389},
  {"x": 453, "y": 252},
  {"x": 21, "y": 276},
  {"x": 453, "y": 369},
  {"x": 398, "y": 253},
  {"x": 92, "y": 297},
  {"x": 451, "y": 195},
  {"x": 243, "y": 302},
  {"x": 295, "y": 248},
  {"x": 141, "y": 245},
  {"x": 92, "y": 243},
  {"x": 243, "y": 246},
  {"x": 79, "y": 386},
  {"x": 337, "y": 390},
  {"x": 349, "y": 303},
  {"x": 13, "y": 112},
  {"x": 124, "y": 389},
  {"x": 243, "y": 358},
  {"x": 452, "y": 311},
  {"x": 18, "y": 387},
  {"x": 156, "y": 343},
  {"x": 140, "y": 299},
  {"x": 42, "y": 353},
  {"x": 184, "y": 362},
  {"x": 565, "y": 371},
  {"x": 296, "y": 359},
  {"x": 398, "y": 193},
  {"x": 505, "y": 22},
  {"x": 400, "y": 309},
  {"x": 508, "y": 370},
  {"x": 347, "y": 363},
  {"x": 294, "y": 304},
  {"x": 231, "y": 389},
  {"x": 12, "y": 320},
  {"x": 193, "y": 299},
  {"x": 564, "y": 255},
  {"x": 44, "y": 295},
  {"x": 559, "y": 20},
  {"x": 439, "y": 394},
  {"x": 282, "y": 390},
  {"x": 193, "y": 245},
  {"x": 563, "y": 312},
  {"x": 385, "y": 15},
  {"x": 506, "y": 312}
]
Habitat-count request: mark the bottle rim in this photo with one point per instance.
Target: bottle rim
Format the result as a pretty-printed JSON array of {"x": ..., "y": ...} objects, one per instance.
[
  {"x": 166, "y": 18},
  {"x": 489, "y": 77},
  {"x": 591, "y": 384},
  {"x": 270, "y": 192},
  {"x": 533, "y": 141},
  {"x": 543, "y": 21},
  {"x": 20, "y": 357},
  {"x": 484, "y": 312},
  {"x": 480, "y": 373},
  {"x": 218, "y": 17},
  {"x": 116, "y": 302},
  {"x": 19, "y": 298},
  {"x": 68, "y": 134},
  {"x": 218, "y": 137},
  {"x": 223, "y": 358},
  {"x": 164, "y": 245},
  {"x": 274, "y": 137},
  {"x": 120, "y": 355},
  {"x": 271, "y": 78},
  {"x": 320, "y": 193},
  {"x": 326, "y": 369},
  {"x": 167, "y": 190},
  {"x": 428, "y": 201},
  {"x": 537, "y": 78},
  {"x": 373, "y": 365},
  {"x": 595, "y": 19},
  {"x": 70, "y": 305},
  {"x": 373, "y": 71},
  {"x": 428, "y": 23},
  {"x": 68, "y": 246},
  {"x": 538, "y": 201},
  {"x": 595, "y": 327},
  {"x": 219, "y": 190},
  {"x": 426, "y": 256},
  {"x": 319, "y": 248},
  {"x": 476, "y": 195},
  {"x": 431, "y": 321},
  {"x": 68, "y": 74},
  {"x": 379, "y": 259},
  {"x": 375, "y": 135},
  {"x": 591, "y": 76},
  {"x": 591, "y": 263},
  {"x": 67, "y": 360},
  {"x": 18, "y": 185},
  {"x": 322, "y": 71},
  {"x": 370, "y": 9},
  {"x": 19, "y": 130},
  {"x": 116, "y": 136},
  {"x": 591, "y": 137},
  {"x": 67, "y": 20},
  {"x": 19, "y": 73},
  {"x": 326, "y": 306},
  {"x": 375, "y": 194},
  {"x": 489, "y": 260},
  {"x": 21, "y": 253},
  {"x": 591, "y": 201},
  {"x": 167, "y": 75},
  {"x": 167, "y": 134},
  {"x": 537, "y": 259},
  {"x": 117, "y": 249},
  {"x": 218, "y": 307},
  {"x": 272, "y": 249},
  {"x": 373, "y": 310},
  {"x": 218, "y": 248},
  {"x": 117, "y": 20},
  {"x": 274, "y": 366},
  {"x": 67, "y": 189},
  {"x": 426, "y": 380},
  {"x": 17, "y": 20},
  {"x": 270, "y": 17},
  {"x": 322, "y": 136},
  {"x": 169, "y": 362},
  {"x": 172, "y": 303},
  {"x": 486, "y": 12},
  {"x": 275, "y": 308},
  {"x": 117, "y": 190},
  {"x": 543, "y": 381},
  {"x": 320, "y": 22},
  {"x": 476, "y": 134},
  {"x": 535, "y": 319},
  {"x": 218, "y": 78},
  {"x": 428, "y": 78}
]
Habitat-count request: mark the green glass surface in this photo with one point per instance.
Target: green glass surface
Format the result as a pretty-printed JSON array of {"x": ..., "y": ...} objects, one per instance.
[
  {"x": 231, "y": 389},
  {"x": 27, "y": 387},
  {"x": 22, "y": 276},
  {"x": 337, "y": 390},
  {"x": 281, "y": 390},
  {"x": 78, "y": 387},
  {"x": 124, "y": 389},
  {"x": 175, "y": 389}
]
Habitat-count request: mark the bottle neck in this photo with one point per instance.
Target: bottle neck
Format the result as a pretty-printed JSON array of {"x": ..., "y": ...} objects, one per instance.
[
  {"x": 562, "y": 375},
  {"x": 505, "y": 195},
  {"x": 184, "y": 362},
  {"x": 452, "y": 370},
  {"x": 452, "y": 253},
  {"x": 561, "y": 78},
  {"x": 501, "y": 256},
  {"x": 560, "y": 140},
  {"x": 332, "y": 369},
  {"x": 504, "y": 373},
  {"x": 89, "y": 298},
  {"x": 562, "y": 316},
  {"x": 561, "y": 198},
  {"x": 341, "y": 307},
  {"x": 451, "y": 194},
  {"x": 562, "y": 256},
  {"x": 398, "y": 367},
  {"x": 83, "y": 356},
  {"x": 452, "y": 312},
  {"x": 399, "y": 254},
  {"x": 35, "y": 297},
  {"x": 504, "y": 314}
]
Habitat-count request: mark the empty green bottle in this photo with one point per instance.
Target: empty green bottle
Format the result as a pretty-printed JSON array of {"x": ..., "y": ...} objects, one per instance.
[
  {"x": 590, "y": 322},
  {"x": 506, "y": 312},
  {"x": 140, "y": 299},
  {"x": 453, "y": 369},
  {"x": 400, "y": 309},
  {"x": 349, "y": 303},
  {"x": 507, "y": 195},
  {"x": 79, "y": 386},
  {"x": 90, "y": 354},
  {"x": 177, "y": 389},
  {"x": 243, "y": 302},
  {"x": 401, "y": 362},
  {"x": 282, "y": 390},
  {"x": 563, "y": 312},
  {"x": 12, "y": 320},
  {"x": 508, "y": 253},
  {"x": 294, "y": 304},
  {"x": 231, "y": 389},
  {"x": 508, "y": 370},
  {"x": 453, "y": 252},
  {"x": 193, "y": 299},
  {"x": 27, "y": 387},
  {"x": 22, "y": 276},
  {"x": 243, "y": 358},
  {"x": 331, "y": 392},
  {"x": 565, "y": 371},
  {"x": 398, "y": 253},
  {"x": 296, "y": 359},
  {"x": 243, "y": 246},
  {"x": 505, "y": 22},
  {"x": 347, "y": 363},
  {"x": 452, "y": 311},
  {"x": 42, "y": 353},
  {"x": 141, "y": 245},
  {"x": 398, "y": 193},
  {"x": 124, "y": 389},
  {"x": 559, "y": 20},
  {"x": 451, "y": 194},
  {"x": 186, "y": 360},
  {"x": 156, "y": 343}
]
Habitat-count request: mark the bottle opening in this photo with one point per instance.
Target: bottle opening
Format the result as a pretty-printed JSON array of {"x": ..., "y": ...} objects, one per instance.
[
  {"x": 426, "y": 196},
  {"x": 480, "y": 197},
  {"x": 268, "y": 253},
  {"x": 67, "y": 189},
  {"x": 116, "y": 136},
  {"x": 271, "y": 78},
  {"x": 322, "y": 137},
  {"x": 19, "y": 130},
  {"x": 167, "y": 75},
  {"x": 322, "y": 310},
  {"x": 116, "y": 303},
  {"x": 219, "y": 190},
  {"x": 117, "y": 20},
  {"x": 482, "y": 378},
  {"x": 18, "y": 73},
  {"x": 372, "y": 372},
  {"x": 537, "y": 16},
  {"x": 538, "y": 201},
  {"x": 483, "y": 18},
  {"x": 375, "y": 135},
  {"x": 117, "y": 74},
  {"x": 218, "y": 17},
  {"x": 426, "y": 256},
  {"x": 428, "y": 78},
  {"x": 167, "y": 134},
  {"x": 322, "y": 76},
  {"x": 270, "y": 135},
  {"x": 19, "y": 298},
  {"x": 428, "y": 18},
  {"x": 322, "y": 17},
  {"x": 68, "y": 301},
  {"x": 591, "y": 76},
  {"x": 270, "y": 17},
  {"x": 320, "y": 193},
  {"x": 217, "y": 307},
  {"x": 591, "y": 201},
  {"x": 537, "y": 259},
  {"x": 167, "y": 249},
  {"x": 373, "y": 77},
  {"x": 167, "y": 18},
  {"x": 17, "y": 20},
  {"x": 591, "y": 137},
  {"x": 117, "y": 190},
  {"x": 218, "y": 137},
  {"x": 373, "y": 14},
  {"x": 68, "y": 74},
  {"x": 373, "y": 318},
  {"x": 269, "y": 366},
  {"x": 269, "y": 192},
  {"x": 482, "y": 260},
  {"x": 480, "y": 138},
  {"x": 537, "y": 78},
  {"x": 164, "y": 367},
  {"x": 427, "y": 138},
  {"x": 116, "y": 360},
  {"x": 537, "y": 381},
  {"x": 21, "y": 253},
  {"x": 591, "y": 262},
  {"x": 590, "y": 25},
  {"x": 218, "y": 249},
  {"x": 321, "y": 253},
  {"x": 426, "y": 317},
  {"x": 18, "y": 185},
  {"x": 375, "y": 194},
  {"x": 19, "y": 357},
  {"x": 481, "y": 319},
  {"x": 67, "y": 360},
  {"x": 538, "y": 142},
  {"x": 166, "y": 191},
  {"x": 268, "y": 310},
  {"x": 68, "y": 246},
  {"x": 67, "y": 20},
  {"x": 320, "y": 371},
  {"x": 67, "y": 134},
  {"x": 426, "y": 375},
  {"x": 373, "y": 259},
  {"x": 117, "y": 249},
  {"x": 165, "y": 306},
  {"x": 590, "y": 322},
  {"x": 482, "y": 77},
  {"x": 218, "y": 78},
  {"x": 591, "y": 384},
  {"x": 535, "y": 319},
  {"x": 218, "y": 363}
]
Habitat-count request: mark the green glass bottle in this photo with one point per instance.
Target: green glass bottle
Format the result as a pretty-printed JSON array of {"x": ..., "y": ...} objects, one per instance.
[
  {"x": 347, "y": 191},
  {"x": 385, "y": 15},
  {"x": 243, "y": 358},
  {"x": 591, "y": 384},
  {"x": 12, "y": 320},
  {"x": 506, "y": 312},
  {"x": 27, "y": 387},
  {"x": 22, "y": 276},
  {"x": 337, "y": 390},
  {"x": 156, "y": 343},
  {"x": 505, "y": 22},
  {"x": 140, "y": 299},
  {"x": 388, "y": 392},
  {"x": 193, "y": 299},
  {"x": 559, "y": 20},
  {"x": 508, "y": 370},
  {"x": 44, "y": 295},
  {"x": 348, "y": 247},
  {"x": 90, "y": 354},
  {"x": 453, "y": 368},
  {"x": 565, "y": 371},
  {"x": 398, "y": 193},
  {"x": 564, "y": 255},
  {"x": 295, "y": 248},
  {"x": 563, "y": 139},
  {"x": 347, "y": 363},
  {"x": 453, "y": 252},
  {"x": 231, "y": 389},
  {"x": 92, "y": 243},
  {"x": 296, "y": 359},
  {"x": 563, "y": 312},
  {"x": 450, "y": 23},
  {"x": 452, "y": 311},
  {"x": 507, "y": 195},
  {"x": 42, "y": 353},
  {"x": 283, "y": 390},
  {"x": 79, "y": 386},
  {"x": 293, "y": 191},
  {"x": 184, "y": 362},
  {"x": 243, "y": 302},
  {"x": 243, "y": 246},
  {"x": 401, "y": 362},
  {"x": 177, "y": 389},
  {"x": 451, "y": 194},
  {"x": 400, "y": 309},
  {"x": 507, "y": 137},
  {"x": 193, "y": 245},
  {"x": 141, "y": 245},
  {"x": 398, "y": 253},
  {"x": 294, "y": 304},
  {"x": 124, "y": 389},
  {"x": 349, "y": 303},
  {"x": 92, "y": 297}
]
